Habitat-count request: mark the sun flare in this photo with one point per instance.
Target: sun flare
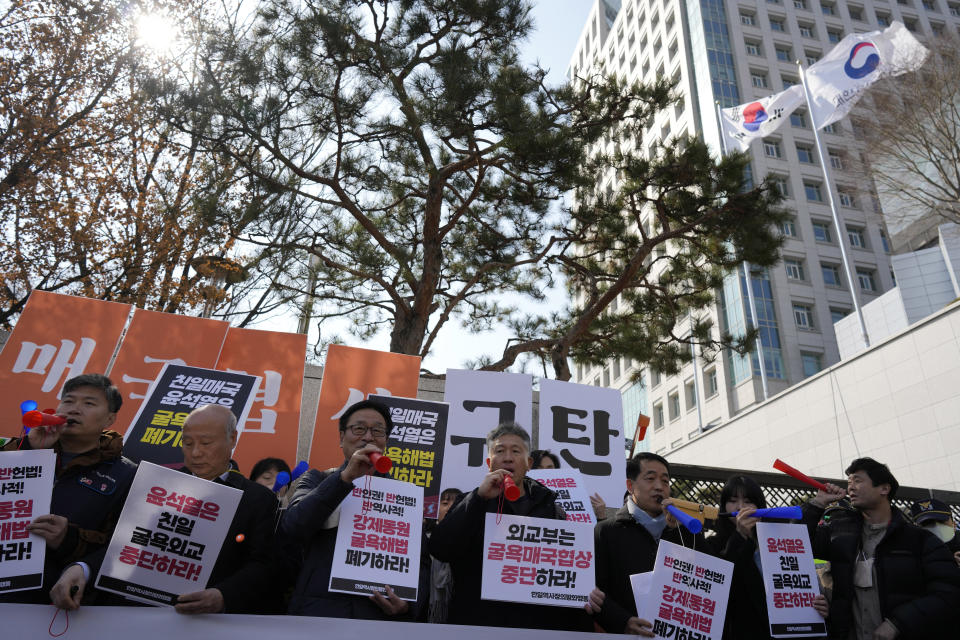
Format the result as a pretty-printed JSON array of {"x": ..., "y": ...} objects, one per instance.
[{"x": 157, "y": 32}]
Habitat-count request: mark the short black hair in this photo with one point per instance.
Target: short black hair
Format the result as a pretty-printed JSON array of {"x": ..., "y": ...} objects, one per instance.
[
  {"x": 97, "y": 381},
  {"x": 878, "y": 473},
  {"x": 634, "y": 464},
  {"x": 366, "y": 404},
  {"x": 447, "y": 493},
  {"x": 745, "y": 487},
  {"x": 267, "y": 464},
  {"x": 540, "y": 454}
]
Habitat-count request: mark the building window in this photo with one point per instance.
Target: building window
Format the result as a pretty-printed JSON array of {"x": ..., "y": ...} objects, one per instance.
[
  {"x": 884, "y": 241},
  {"x": 798, "y": 119},
  {"x": 794, "y": 268},
  {"x": 812, "y": 58},
  {"x": 803, "y": 315},
  {"x": 747, "y": 19},
  {"x": 812, "y": 189},
  {"x": 831, "y": 275},
  {"x": 781, "y": 186},
  {"x": 836, "y": 160},
  {"x": 690, "y": 391},
  {"x": 673, "y": 405},
  {"x": 753, "y": 48},
  {"x": 805, "y": 154},
  {"x": 812, "y": 363},
  {"x": 821, "y": 232},
  {"x": 937, "y": 29},
  {"x": 834, "y": 36},
  {"x": 929, "y": 6},
  {"x": 771, "y": 148},
  {"x": 799, "y": 4},
  {"x": 836, "y": 315},
  {"x": 806, "y": 30},
  {"x": 856, "y": 13},
  {"x": 830, "y": 128},
  {"x": 954, "y": 10},
  {"x": 847, "y": 199},
  {"x": 776, "y": 24},
  {"x": 710, "y": 382},
  {"x": 866, "y": 279},
  {"x": 655, "y": 378},
  {"x": 828, "y": 9},
  {"x": 788, "y": 82},
  {"x": 759, "y": 80},
  {"x": 883, "y": 20},
  {"x": 857, "y": 240},
  {"x": 658, "y": 420},
  {"x": 789, "y": 228},
  {"x": 783, "y": 54},
  {"x": 616, "y": 367}
]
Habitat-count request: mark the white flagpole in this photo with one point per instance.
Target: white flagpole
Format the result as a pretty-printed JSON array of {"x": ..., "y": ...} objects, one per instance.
[
  {"x": 746, "y": 272},
  {"x": 842, "y": 232}
]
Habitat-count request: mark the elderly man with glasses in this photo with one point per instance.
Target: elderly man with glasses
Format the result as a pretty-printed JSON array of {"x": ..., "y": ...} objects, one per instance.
[{"x": 312, "y": 517}]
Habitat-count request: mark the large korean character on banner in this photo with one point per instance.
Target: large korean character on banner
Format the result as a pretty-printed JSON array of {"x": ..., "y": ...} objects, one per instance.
[
  {"x": 583, "y": 424},
  {"x": 350, "y": 374},
  {"x": 155, "y": 339},
  {"x": 479, "y": 401},
  {"x": 57, "y": 337},
  {"x": 415, "y": 445},
  {"x": 272, "y": 428}
]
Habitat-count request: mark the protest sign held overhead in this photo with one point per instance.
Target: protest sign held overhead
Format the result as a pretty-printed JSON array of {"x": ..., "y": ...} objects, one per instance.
[
  {"x": 168, "y": 537},
  {"x": 156, "y": 432},
  {"x": 688, "y": 594},
  {"x": 790, "y": 580},
  {"x": 350, "y": 375},
  {"x": 537, "y": 561},
  {"x": 26, "y": 484},
  {"x": 571, "y": 492},
  {"x": 584, "y": 425},
  {"x": 378, "y": 539},
  {"x": 479, "y": 401},
  {"x": 415, "y": 445},
  {"x": 57, "y": 337}
]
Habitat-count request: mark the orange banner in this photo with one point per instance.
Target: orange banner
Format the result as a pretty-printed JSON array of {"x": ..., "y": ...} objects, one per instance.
[
  {"x": 351, "y": 374},
  {"x": 153, "y": 339},
  {"x": 278, "y": 358},
  {"x": 56, "y": 338}
]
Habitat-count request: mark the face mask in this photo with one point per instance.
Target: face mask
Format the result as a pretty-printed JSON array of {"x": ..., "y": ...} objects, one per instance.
[{"x": 942, "y": 530}]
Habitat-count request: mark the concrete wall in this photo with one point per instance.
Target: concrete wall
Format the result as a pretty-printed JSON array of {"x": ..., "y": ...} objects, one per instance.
[{"x": 898, "y": 402}]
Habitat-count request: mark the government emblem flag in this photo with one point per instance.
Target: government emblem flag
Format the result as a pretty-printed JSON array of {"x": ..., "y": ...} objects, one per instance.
[
  {"x": 746, "y": 122},
  {"x": 837, "y": 81}
]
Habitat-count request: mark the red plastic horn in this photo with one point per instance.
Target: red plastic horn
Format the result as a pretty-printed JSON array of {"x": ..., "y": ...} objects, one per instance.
[
  {"x": 780, "y": 465},
  {"x": 38, "y": 419},
  {"x": 380, "y": 462},
  {"x": 510, "y": 489}
]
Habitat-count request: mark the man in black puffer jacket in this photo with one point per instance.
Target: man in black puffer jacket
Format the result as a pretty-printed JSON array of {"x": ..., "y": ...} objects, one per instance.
[
  {"x": 458, "y": 539},
  {"x": 891, "y": 579}
]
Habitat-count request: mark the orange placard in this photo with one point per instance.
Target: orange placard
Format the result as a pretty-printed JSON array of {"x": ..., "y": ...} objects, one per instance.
[
  {"x": 153, "y": 339},
  {"x": 278, "y": 358},
  {"x": 56, "y": 338},
  {"x": 351, "y": 374}
]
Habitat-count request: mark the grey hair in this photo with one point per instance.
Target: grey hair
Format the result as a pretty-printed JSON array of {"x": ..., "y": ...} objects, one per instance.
[
  {"x": 508, "y": 429},
  {"x": 230, "y": 423}
]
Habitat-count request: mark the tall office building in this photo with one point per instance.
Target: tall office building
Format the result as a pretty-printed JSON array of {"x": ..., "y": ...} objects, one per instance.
[{"x": 732, "y": 52}]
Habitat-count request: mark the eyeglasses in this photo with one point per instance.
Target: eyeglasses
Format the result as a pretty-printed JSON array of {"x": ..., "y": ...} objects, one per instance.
[{"x": 360, "y": 428}]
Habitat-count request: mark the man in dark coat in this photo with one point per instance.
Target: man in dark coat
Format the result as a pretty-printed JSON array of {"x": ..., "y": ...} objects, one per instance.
[
  {"x": 627, "y": 543},
  {"x": 244, "y": 577},
  {"x": 311, "y": 519},
  {"x": 91, "y": 482},
  {"x": 458, "y": 538},
  {"x": 891, "y": 579}
]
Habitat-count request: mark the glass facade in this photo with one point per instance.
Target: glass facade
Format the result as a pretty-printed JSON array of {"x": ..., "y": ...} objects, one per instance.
[
  {"x": 635, "y": 403},
  {"x": 733, "y": 308},
  {"x": 716, "y": 36}
]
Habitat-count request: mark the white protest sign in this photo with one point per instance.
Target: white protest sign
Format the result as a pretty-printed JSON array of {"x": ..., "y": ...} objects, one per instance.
[
  {"x": 571, "y": 493},
  {"x": 537, "y": 560},
  {"x": 479, "y": 401},
  {"x": 26, "y": 484},
  {"x": 640, "y": 583},
  {"x": 790, "y": 580},
  {"x": 583, "y": 424},
  {"x": 688, "y": 594},
  {"x": 168, "y": 537},
  {"x": 378, "y": 539}
]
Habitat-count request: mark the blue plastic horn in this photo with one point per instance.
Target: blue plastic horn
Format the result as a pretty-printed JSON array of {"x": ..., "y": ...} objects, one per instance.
[
  {"x": 786, "y": 513},
  {"x": 692, "y": 524},
  {"x": 300, "y": 469},
  {"x": 28, "y": 405},
  {"x": 283, "y": 479}
]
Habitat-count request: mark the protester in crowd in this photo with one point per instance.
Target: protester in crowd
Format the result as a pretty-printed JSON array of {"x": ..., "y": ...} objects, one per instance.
[
  {"x": 891, "y": 579},
  {"x": 312, "y": 517},
  {"x": 91, "y": 483},
  {"x": 543, "y": 459},
  {"x": 736, "y": 541},
  {"x": 441, "y": 575},
  {"x": 244, "y": 577},
  {"x": 265, "y": 472},
  {"x": 458, "y": 538},
  {"x": 627, "y": 543},
  {"x": 935, "y": 516}
]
